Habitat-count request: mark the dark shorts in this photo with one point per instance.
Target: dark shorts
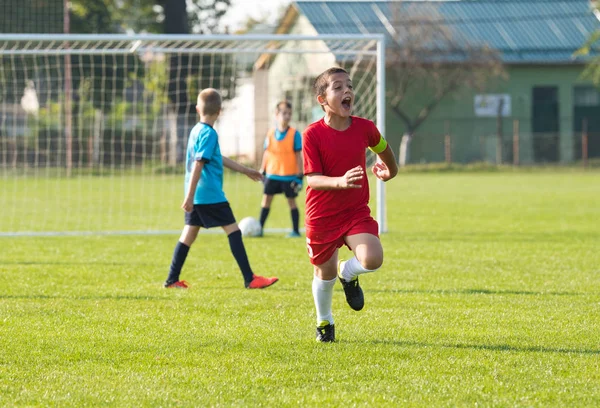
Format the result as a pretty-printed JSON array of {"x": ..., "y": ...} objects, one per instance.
[
  {"x": 210, "y": 215},
  {"x": 273, "y": 187}
]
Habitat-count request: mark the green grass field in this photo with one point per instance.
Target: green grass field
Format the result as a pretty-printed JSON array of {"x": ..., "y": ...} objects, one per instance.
[{"x": 489, "y": 296}]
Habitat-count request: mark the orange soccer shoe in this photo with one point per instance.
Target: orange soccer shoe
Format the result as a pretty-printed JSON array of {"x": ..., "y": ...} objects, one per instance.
[
  {"x": 260, "y": 282},
  {"x": 177, "y": 285}
]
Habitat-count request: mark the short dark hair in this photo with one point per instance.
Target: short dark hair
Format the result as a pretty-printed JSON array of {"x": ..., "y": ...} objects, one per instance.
[
  {"x": 210, "y": 99},
  {"x": 286, "y": 104},
  {"x": 322, "y": 81}
]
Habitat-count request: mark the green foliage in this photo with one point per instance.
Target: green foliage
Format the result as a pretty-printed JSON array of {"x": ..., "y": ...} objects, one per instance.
[
  {"x": 588, "y": 46},
  {"x": 108, "y": 16},
  {"x": 592, "y": 46},
  {"x": 488, "y": 297},
  {"x": 204, "y": 16},
  {"x": 92, "y": 17},
  {"x": 50, "y": 116},
  {"x": 117, "y": 114},
  {"x": 155, "y": 81},
  {"x": 31, "y": 16},
  {"x": 592, "y": 71}
]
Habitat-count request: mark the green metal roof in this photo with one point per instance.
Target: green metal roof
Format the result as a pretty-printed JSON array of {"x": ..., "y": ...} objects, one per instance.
[{"x": 523, "y": 31}]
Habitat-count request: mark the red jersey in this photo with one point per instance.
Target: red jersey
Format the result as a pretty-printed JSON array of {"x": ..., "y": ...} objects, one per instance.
[{"x": 332, "y": 153}]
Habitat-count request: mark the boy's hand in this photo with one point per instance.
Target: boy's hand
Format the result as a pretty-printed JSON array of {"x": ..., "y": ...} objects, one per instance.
[
  {"x": 381, "y": 171},
  {"x": 188, "y": 205},
  {"x": 352, "y": 177},
  {"x": 253, "y": 174},
  {"x": 296, "y": 184}
]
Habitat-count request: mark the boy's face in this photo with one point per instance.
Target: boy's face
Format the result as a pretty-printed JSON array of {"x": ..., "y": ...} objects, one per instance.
[
  {"x": 283, "y": 116},
  {"x": 339, "y": 95}
]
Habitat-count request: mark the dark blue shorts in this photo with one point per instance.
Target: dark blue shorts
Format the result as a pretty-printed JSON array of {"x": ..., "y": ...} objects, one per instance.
[
  {"x": 273, "y": 187},
  {"x": 210, "y": 215}
]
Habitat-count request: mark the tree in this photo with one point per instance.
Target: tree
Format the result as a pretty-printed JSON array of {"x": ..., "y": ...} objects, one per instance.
[
  {"x": 31, "y": 16},
  {"x": 592, "y": 46},
  {"x": 429, "y": 61},
  {"x": 181, "y": 69},
  {"x": 204, "y": 15},
  {"x": 109, "y": 16}
]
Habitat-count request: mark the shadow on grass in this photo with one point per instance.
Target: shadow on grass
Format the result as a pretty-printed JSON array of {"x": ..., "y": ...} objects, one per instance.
[
  {"x": 493, "y": 237},
  {"x": 301, "y": 289},
  {"x": 95, "y": 297},
  {"x": 488, "y": 347},
  {"x": 43, "y": 263},
  {"x": 479, "y": 292},
  {"x": 282, "y": 287}
]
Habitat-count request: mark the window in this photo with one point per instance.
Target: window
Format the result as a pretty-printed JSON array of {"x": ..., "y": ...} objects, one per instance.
[{"x": 586, "y": 96}]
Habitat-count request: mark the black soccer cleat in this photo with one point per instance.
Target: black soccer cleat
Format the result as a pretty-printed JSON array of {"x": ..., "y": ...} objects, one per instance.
[
  {"x": 354, "y": 294},
  {"x": 326, "y": 333}
]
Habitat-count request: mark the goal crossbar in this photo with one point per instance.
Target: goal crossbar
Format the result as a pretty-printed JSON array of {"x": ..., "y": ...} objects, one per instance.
[{"x": 99, "y": 44}]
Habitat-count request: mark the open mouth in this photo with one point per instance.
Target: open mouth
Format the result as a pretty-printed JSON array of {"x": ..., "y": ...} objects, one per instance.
[{"x": 347, "y": 102}]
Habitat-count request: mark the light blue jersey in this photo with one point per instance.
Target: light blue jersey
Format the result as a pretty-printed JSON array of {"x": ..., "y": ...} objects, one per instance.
[
  {"x": 297, "y": 148},
  {"x": 203, "y": 144}
]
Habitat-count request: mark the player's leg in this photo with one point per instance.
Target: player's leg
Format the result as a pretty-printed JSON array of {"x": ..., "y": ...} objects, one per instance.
[
  {"x": 187, "y": 238},
  {"x": 271, "y": 187},
  {"x": 364, "y": 242},
  {"x": 368, "y": 255},
  {"x": 291, "y": 195},
  {"x": 325, "y": 275},
  {"x": 189, "y": 234},
  {"x": 265, "y": 207},
  {"x": 236, "y": 245}
]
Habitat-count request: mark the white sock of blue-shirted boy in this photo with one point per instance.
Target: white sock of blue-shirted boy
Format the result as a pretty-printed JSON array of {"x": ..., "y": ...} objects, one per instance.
[
  {"x": 323, "y": 295},
  {"x": 352, "y": 268}
]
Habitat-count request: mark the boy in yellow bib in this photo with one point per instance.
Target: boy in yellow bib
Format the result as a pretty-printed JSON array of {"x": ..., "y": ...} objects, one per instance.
[{"x": 282, "y": 165}]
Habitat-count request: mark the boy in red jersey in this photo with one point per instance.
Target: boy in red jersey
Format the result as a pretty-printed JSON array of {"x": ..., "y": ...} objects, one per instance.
[{"x": 337, "y": 196}]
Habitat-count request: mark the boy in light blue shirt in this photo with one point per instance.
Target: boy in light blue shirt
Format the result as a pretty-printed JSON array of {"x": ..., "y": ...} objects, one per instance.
[{"x": 205, "y": 204}]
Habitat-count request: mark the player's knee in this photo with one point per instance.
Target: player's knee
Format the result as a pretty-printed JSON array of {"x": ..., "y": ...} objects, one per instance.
[
  {"x": 372, "y": 261},
  {"x": 189, "y": 234}
]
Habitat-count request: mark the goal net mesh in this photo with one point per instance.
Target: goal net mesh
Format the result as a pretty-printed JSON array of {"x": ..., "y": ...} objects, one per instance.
[{"x": 93, "y": 129}]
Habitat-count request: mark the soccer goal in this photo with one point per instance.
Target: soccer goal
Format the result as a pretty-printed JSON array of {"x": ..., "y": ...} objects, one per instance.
[{"x": 93, "y": 127}]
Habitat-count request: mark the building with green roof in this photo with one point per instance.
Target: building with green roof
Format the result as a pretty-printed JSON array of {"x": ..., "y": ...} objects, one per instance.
[{"x": 545, "y": 100}]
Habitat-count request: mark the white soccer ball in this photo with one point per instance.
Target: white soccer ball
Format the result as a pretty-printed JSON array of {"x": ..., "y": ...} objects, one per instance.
[{"x": 250, "y": 227}]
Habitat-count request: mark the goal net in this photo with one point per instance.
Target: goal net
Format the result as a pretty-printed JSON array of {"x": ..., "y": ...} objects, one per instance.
[{"x": 93, "y": 128}]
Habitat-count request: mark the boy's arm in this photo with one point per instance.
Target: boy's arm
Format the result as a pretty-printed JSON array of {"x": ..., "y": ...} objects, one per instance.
[
  {"x": 387, "y": 168},
  {"x": 299, "y": 161},
  {"x": 299, "y": 180},
  {"x": 235, "y": 166},
  {"x": 263, "y": 163},
  {"x": 188, "y": 202},
  {"x": 352, "y": 179},
  {"x": 298, "y": 148}
]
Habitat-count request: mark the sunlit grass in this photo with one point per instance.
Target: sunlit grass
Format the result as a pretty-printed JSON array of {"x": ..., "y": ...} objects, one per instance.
[{"x": 488, "y": 296}]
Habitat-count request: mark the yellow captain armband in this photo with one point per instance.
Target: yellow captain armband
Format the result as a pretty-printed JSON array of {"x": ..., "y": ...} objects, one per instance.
[{"x": 380, "y": 147}]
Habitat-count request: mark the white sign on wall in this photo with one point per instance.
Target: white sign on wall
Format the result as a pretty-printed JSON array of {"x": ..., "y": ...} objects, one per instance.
[{"x": 487, "y": 105}]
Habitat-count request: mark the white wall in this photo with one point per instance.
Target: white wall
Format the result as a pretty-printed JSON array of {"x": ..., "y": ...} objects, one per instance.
[
  {"x": 236, "y": 124},
  {"x": 291, "y": 72}
]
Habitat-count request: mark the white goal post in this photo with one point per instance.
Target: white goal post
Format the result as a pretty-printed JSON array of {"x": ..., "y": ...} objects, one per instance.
[{"x": 93, "y": 127}]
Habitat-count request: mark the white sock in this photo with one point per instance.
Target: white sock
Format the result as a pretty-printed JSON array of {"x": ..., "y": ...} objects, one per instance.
[
  {"x": 323, "y": 295},
  {"x": 352, "y": 268}
]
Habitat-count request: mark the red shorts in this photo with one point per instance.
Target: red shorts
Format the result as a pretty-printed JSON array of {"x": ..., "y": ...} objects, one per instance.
[{"x": 321, "y": 252}]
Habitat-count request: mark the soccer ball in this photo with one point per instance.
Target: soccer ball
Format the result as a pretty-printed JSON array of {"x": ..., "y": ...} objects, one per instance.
[{"x": 250, "y": 227}]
